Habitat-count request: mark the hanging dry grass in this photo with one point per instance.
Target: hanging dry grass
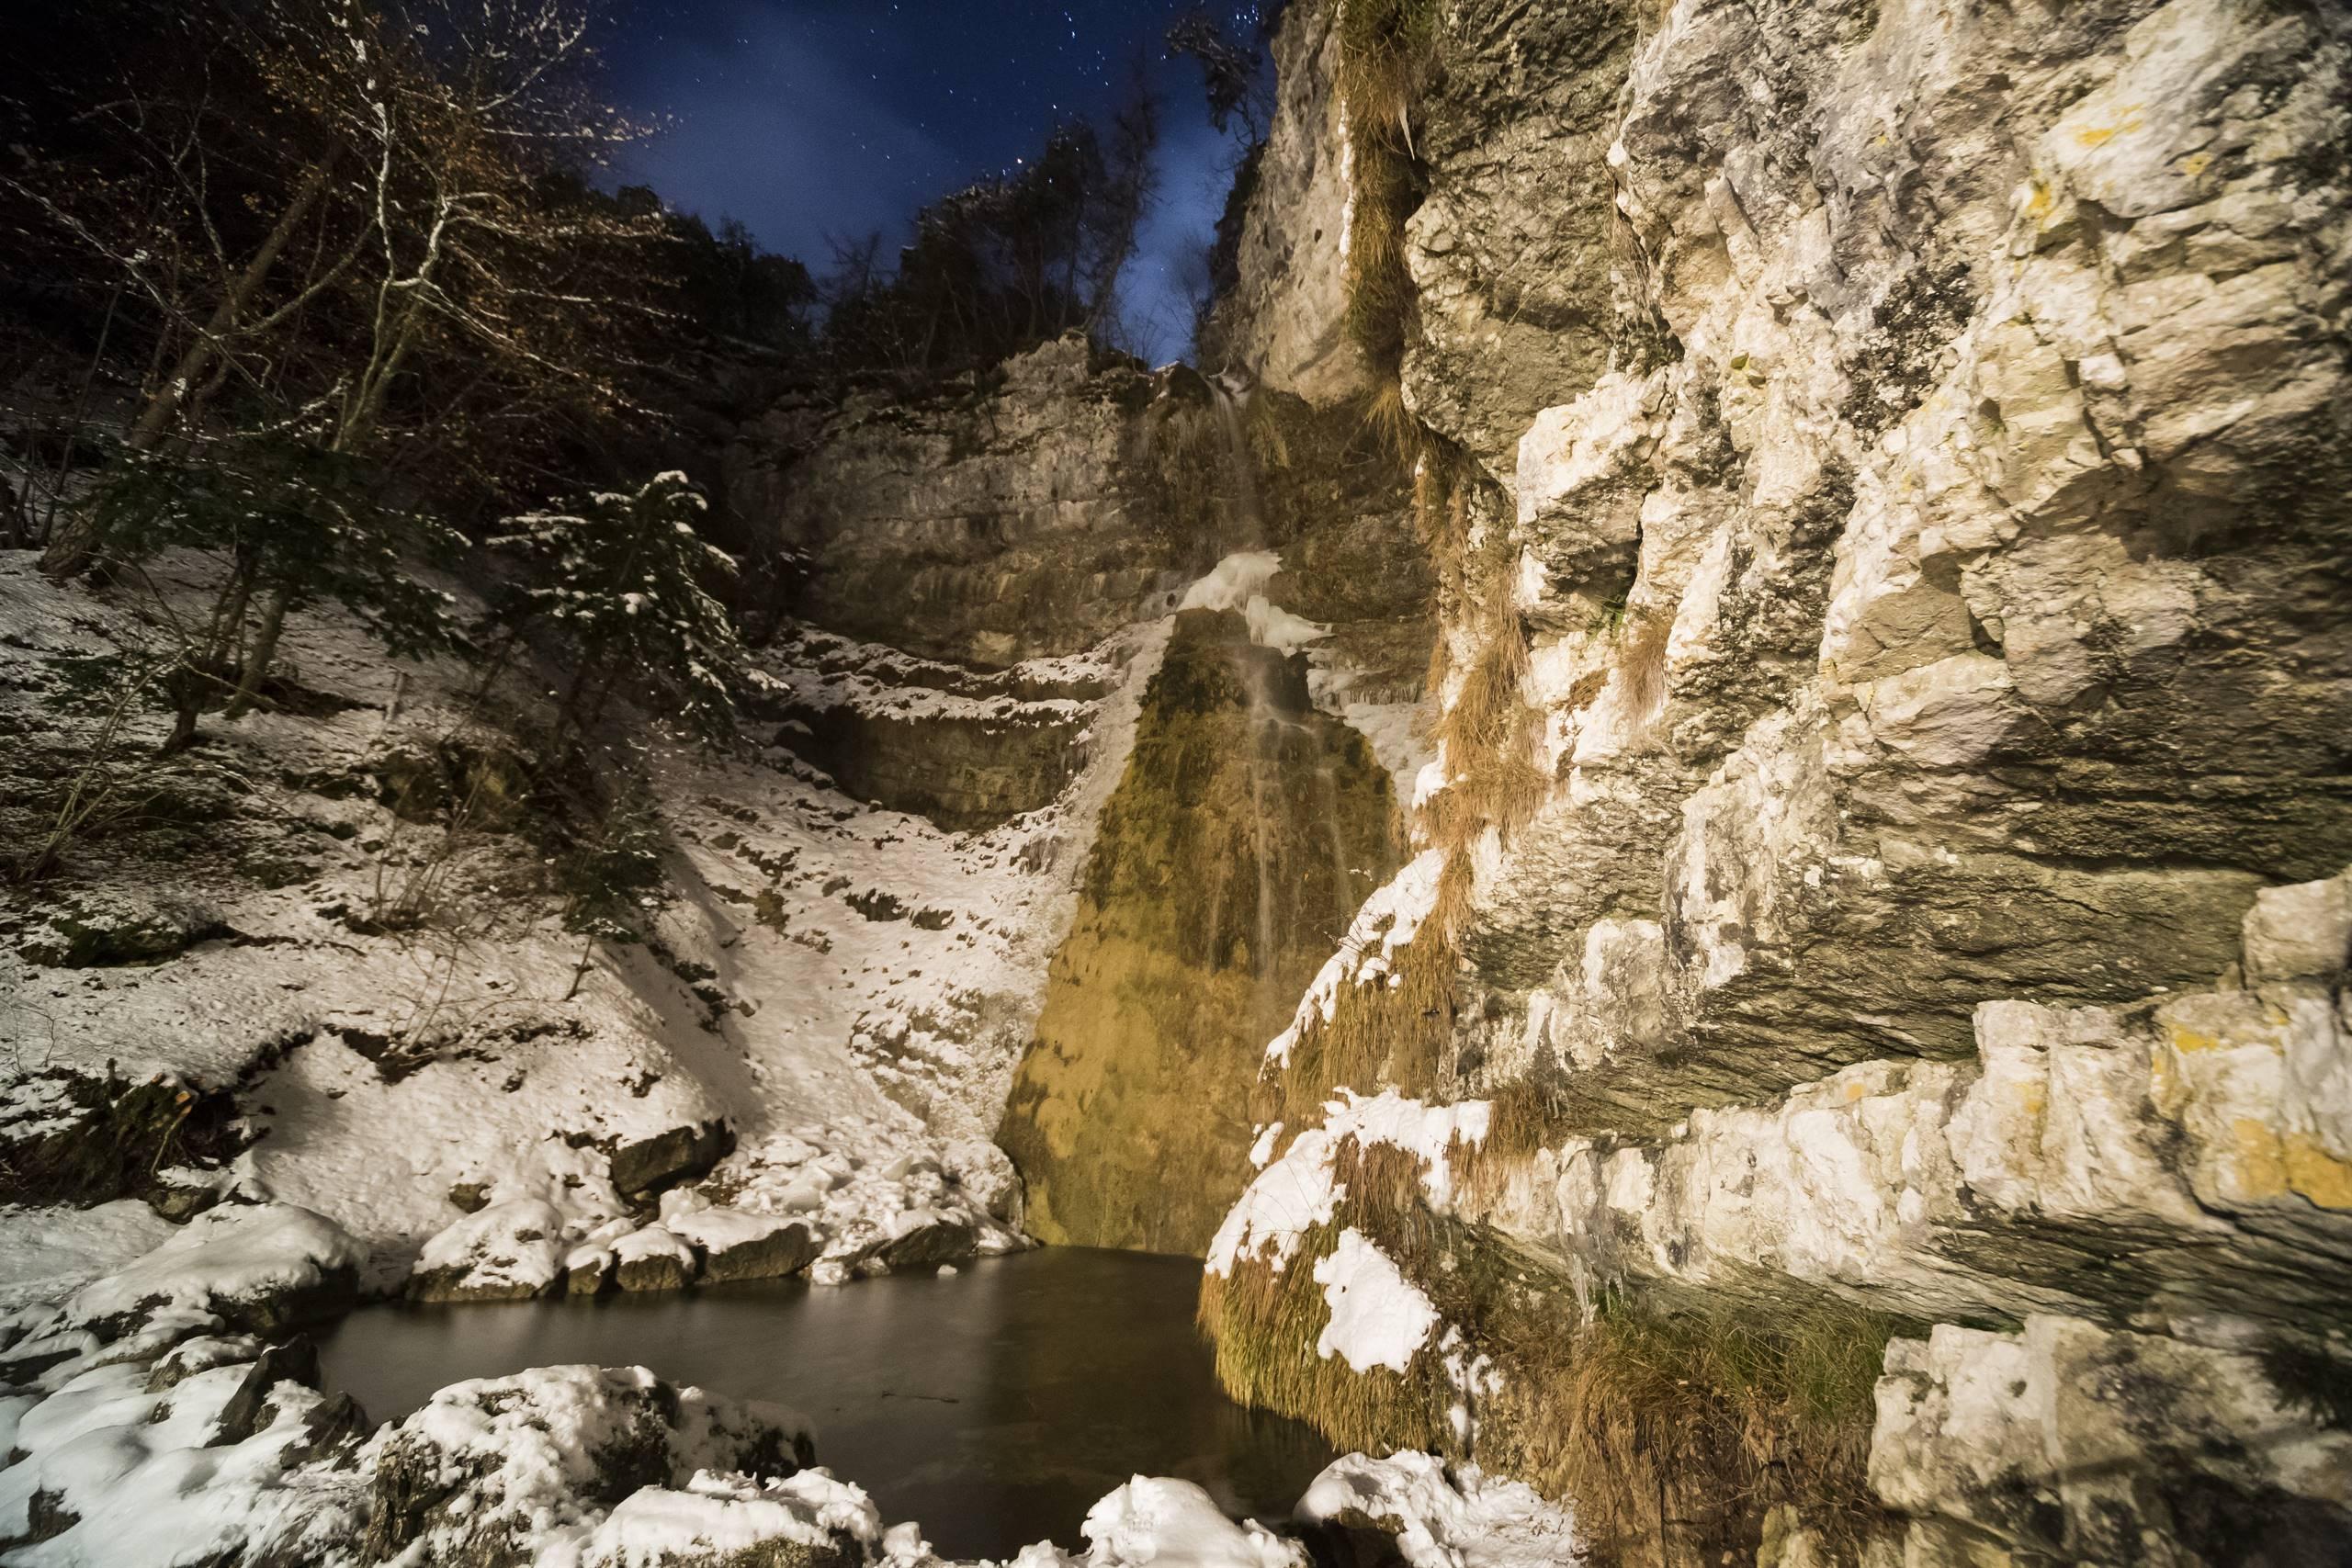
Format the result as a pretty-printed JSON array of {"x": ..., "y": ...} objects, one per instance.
[
  {"x": 1265, "y": 1323},
  {"x": 1523, "y": 1119},
  {"x": 1391, "y": 425},
  {"x": 1642, "y": 662},
  {"x": 1390, "y": 52},
  {"x": 1392, "y": 1031},
  {"x": 1675, "y": 1431}
]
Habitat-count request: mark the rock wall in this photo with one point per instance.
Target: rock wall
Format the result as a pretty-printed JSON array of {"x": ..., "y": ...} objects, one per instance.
[
  {"x": 1889, "y": 471},
  {"x": 1030, "y": 513},
  {"x": 1245, "y": 831}
]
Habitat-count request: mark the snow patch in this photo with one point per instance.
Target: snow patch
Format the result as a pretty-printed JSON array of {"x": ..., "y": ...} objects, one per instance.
[
  {"x": 1238, "y": 583},
  {"x": 1388, "y": 920},
  {"x": 1298, "y": 1192},
  {"x": 1379, "y": 1318}
]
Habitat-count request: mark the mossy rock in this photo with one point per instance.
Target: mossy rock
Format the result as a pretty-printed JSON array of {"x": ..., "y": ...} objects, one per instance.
[
  {"x": 123, "y": 1135},
  {"x": 1245, "y": 834}
]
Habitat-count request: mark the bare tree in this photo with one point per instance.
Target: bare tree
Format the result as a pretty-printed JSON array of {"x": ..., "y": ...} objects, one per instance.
[{"x": 333, "y": 193}]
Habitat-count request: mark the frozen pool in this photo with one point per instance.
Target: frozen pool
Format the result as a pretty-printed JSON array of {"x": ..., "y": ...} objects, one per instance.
[{"x": 994, "y": 1405}]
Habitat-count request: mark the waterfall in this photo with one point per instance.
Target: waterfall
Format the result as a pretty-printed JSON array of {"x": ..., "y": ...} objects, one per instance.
[
  {"x": 1247, "y": 531},
  {"x": 1249, "y": 516}
]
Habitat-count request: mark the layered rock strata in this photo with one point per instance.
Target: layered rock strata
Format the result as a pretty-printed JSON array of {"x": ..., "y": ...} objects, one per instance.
[{"x": 1894, "y": 460}]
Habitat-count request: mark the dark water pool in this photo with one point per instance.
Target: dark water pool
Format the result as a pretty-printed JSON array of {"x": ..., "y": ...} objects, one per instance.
[{"x": 994, "y": 1406}]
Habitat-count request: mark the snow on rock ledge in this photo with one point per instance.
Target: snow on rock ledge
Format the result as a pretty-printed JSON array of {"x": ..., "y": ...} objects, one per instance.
[{"x": 1439, "y": 1518}]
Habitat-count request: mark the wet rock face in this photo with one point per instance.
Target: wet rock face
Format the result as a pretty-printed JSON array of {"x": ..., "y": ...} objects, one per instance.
[
  {"x": 2073, "y": 1443},
  {"x": 1941, "y": 674},
  {"x": 1247, "y": 829},
  {"x": 1285, "y": 318},
  {"x": 962, "y": 773},
  {"x": 1511, "y": 255}
]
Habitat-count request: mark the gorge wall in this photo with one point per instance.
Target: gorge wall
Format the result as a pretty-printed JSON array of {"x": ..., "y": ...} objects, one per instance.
[{"x": 1884, "y": 466}]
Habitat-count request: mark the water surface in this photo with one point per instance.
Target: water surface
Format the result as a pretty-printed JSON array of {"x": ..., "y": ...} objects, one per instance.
[{"x": 994, "y": 1406}]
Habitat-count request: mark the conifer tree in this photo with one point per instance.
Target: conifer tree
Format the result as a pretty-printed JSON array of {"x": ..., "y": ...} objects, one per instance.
[{"x": 622, "y": 596}]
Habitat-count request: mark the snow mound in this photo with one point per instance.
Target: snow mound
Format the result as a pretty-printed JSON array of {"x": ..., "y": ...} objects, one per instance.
[
  {"x": 506, "y": 1468},
  {"x": 141, "y": 1478},
  {"x": 1157, "y": 1522},
  {"x": 47, "y": 1254},
  {"x": 1441, "y": 1520}
]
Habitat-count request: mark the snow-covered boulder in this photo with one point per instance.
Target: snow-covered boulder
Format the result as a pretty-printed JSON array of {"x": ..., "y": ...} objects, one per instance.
[
  {"x": 808, "y": 1520},
  {"x": 497, "y": 1471},
  {"x": 737, "y": 1244},
  {"x": 922, "y": 1238},
  {"x": 1435, "y": 1517},
  {"x": 1166, "y": 1523},
  {"x": 505, "y": 1252},
  {"x": 126, "y": 1468},
  {"x": 654, "y": 1259},
  {"x": 680, "y": 1153},
  {"x": 265, "y": 1268}
]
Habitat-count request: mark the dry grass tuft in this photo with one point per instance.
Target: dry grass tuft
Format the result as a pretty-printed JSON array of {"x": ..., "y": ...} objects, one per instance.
[
  {"x": 1390, "y": 52},
  {"x": 1380, "y": 1179},
  {"x": 1642, "y": 664},
  {"x": 1378, "y": 1032},
  {"x": 1489, "y": 737},
  {"x": 1391, "y": 424},
  {"x": 1523, "y": 1119},
  {"x": 1265, "y": 1324},
  {"x": 1676, "y": 1432}
]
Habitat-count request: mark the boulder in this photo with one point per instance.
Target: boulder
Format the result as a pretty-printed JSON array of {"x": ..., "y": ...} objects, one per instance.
[
  {"x": 739, "y": 1246},
  {"x": 654, "y": 1259},
  {"x": 808, "y": 1520},
  {"x": 483, "y": 1472},
  {"x": 505, "y": 1252},
  {"x": 928, "y": 1241},
  {"x": 681, "y": 1154}
]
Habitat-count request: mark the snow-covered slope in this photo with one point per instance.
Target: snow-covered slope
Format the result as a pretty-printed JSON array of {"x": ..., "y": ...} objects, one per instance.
[{"x": 838, "y": 986}]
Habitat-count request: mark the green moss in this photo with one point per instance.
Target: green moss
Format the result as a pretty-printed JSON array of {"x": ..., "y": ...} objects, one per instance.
[{"x": 1130, "y": 1116}]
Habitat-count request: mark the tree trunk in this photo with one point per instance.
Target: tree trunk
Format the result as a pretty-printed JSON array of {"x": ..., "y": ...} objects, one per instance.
[
  {"x": 186, "y": 686},
  {"x": 257, "y": 661},
  {"x": 71, "y": 546},
  {"x": 156, "y": 417},
  {"x": 580, "y": 970}
]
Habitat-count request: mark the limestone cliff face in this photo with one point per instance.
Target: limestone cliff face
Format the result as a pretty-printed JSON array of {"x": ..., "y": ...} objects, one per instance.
[
  {"x": 1893, "y": 520},
  {"x": 981, "y": 631},
  {"x": 1026, "y": 517}
]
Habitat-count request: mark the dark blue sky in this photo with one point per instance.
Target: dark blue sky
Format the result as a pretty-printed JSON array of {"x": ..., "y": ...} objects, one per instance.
[{"x": 814, "y": 118}]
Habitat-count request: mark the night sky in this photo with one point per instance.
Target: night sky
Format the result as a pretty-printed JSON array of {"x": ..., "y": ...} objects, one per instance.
[{"x": 814, "y": 118}]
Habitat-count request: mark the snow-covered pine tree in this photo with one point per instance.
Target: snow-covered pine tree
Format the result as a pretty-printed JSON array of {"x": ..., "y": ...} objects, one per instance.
[{"x": 622, "y": 597}]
